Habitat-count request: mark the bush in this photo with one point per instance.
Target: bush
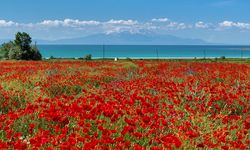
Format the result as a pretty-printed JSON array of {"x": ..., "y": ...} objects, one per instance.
[
  {"x": 88, "y": 57},
  {"x": 222, "y": 57},
  {"x": 52, "y": 57},
  {"x": 129, "y": 59}
]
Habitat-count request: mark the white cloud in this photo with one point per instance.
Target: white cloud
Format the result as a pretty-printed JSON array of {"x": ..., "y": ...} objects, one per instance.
[
  {"x": 68, "y": 23},
  {"x": 167, "y": 24},
  {"x": 117, "y": 26},
  {"x": 177, "y": 26},
  {"x": 75, "y": 28},
  {"x": 110, "y": 26},
  {"x": 123, "y": 25},
  {"x": 80, "y": 23},
  {"x": 230, "y": 24},
  {"x": 122, "y": 22},
  {"x": 160, "y": 20},
  {"x": 4, "y": 23},
  {"x": 51, "y": 23},
  {"x": 201, "y": 25}
]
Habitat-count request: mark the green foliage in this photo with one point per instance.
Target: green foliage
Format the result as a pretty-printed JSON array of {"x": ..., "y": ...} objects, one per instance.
[
  {"x": 52, "y": 57},
  {"x": 129, "y": 59},
  {"x": 20, "y": 48},
  {"x": 57, "y": 90},
  {"x": 4, "y": 50},
  {"x": 222, "y": 57},
  {"x": 15, "y": 53},
  {"x": 88, "y": 57},
  {"x": 23, "y": 40},
  {"x": 35, "y": 54}
]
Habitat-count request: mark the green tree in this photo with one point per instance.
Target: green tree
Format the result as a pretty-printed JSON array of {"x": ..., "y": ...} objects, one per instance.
[
  {"x": 23, "y": 41},
  {"x": 21, "y": 48},
  {"x": 4, "y": 50},
  {"x": 15, "y": 53},
  {"x": 35, "y": 54}
]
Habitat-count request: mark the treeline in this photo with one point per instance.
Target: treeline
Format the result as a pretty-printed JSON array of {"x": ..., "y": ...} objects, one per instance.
[{"x": 20, "y": 49}]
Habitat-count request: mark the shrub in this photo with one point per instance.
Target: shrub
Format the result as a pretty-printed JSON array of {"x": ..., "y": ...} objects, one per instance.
[
  {"x": 222, "y": 57},
  {"x": 129, "y": 59},
  {"x": 87, "y": 57},
  {"x": 52, "y": 57}
]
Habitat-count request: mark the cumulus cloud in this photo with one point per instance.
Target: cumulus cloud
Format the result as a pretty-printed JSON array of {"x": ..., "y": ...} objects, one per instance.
[
  {"x": 74, "y": 27},
  {"x": 167, "y": 24},
  {"x": 118, "y": 26},
  {"x": 68, "y": 23},
  {"x": 122, "y": 22},
  {"x": 230, "y": 24},
  {"x": 177, "y": 26},
  {"x": 51, "y": 23},
  {"x": 160, "y": 20},
  {"x": 80, "y": 23},
  {"x": 4, "y": 23},
  {"x": 110, "y": 26},
  {"x": 201, "y": 25}
]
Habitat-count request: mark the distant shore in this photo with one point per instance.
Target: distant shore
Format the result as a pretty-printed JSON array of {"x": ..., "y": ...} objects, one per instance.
[
  {"x": 223, "y": 60},
  {"x": 201, "y": 60},
  {"x": 152, "y": 58}
]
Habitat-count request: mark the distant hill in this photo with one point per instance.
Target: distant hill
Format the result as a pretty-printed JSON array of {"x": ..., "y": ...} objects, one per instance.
[{"x": 127, "y": 39}]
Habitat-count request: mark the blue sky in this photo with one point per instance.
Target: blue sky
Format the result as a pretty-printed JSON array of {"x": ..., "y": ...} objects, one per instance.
[{"x": 216, "y": 21}]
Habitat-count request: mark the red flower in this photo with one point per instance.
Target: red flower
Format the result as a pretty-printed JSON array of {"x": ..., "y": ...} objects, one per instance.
[
  {"x": 192, "y": 134},
  {"x": 137, "y": 147},
  {"x": 146, "y": 119},
  {"x": 247, "y": 123},
  {"x": 170, "y": 140}
]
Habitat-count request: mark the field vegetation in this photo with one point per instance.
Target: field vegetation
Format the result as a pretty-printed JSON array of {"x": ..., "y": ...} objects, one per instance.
[{"x": 142, "y": 104}]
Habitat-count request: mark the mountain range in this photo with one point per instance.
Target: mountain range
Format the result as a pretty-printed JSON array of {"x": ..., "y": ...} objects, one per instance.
[{"x": 124, "y": 39}]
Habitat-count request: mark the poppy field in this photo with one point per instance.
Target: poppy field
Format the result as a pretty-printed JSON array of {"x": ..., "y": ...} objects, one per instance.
[{"x": 124, "y": 105}]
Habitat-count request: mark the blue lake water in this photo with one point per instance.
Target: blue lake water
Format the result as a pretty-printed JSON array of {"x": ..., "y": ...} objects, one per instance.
[{"x": 144, "y": 51}]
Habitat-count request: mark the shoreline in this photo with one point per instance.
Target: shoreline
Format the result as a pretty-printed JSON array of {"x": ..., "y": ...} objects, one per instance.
[{"x": 150, "y": 58}]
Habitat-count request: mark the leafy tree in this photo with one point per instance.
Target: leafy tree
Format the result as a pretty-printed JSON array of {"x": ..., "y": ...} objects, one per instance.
[
  {"x": 21, "y": 48},
  {"x": 4, "y": 50},
  {"x": 35, "y": 54},
  {"x": 23, "y": 41},
  {"x": 15, "y": 53}
]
